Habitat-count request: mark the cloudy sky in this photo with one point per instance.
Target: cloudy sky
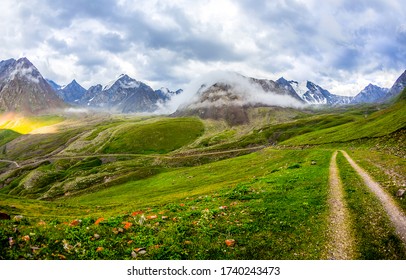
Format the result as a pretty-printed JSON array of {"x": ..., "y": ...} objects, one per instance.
[{"x": 340, "y": 44}]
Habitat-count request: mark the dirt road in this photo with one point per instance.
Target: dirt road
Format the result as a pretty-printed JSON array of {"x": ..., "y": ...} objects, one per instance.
[
  {"x": 396, "y": 215},
  {"x": 10, "y": 161},
  {"x": 341, "y": 242}
]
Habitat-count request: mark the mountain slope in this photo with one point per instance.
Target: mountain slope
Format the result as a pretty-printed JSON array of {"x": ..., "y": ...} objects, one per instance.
[
  {"x": 72, "y": 92},
  {"x": 54, "y": 85},
  {"x": 318, "y": 95},
  {"x": 370, "y": 94},
  {"x": 397, "y": 87},
  {"x": 312, "y": 93},
  {"x": 270, "y": 86},
  {"x": 23, "y": 89},
  {"x": 291, "y": 86},
  {"x": 166, "y": 94}
]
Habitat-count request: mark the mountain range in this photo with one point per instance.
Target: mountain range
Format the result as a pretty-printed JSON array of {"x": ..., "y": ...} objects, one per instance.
[
  {"x": 23, "y": 88},
  {"x": 124, "y": 95},
  {"x": 71, "y": 93},
  {"x": 314, "y": 94}
]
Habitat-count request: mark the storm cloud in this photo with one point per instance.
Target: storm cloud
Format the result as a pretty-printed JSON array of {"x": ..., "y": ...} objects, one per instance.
[{"x": 342, "y": 45}]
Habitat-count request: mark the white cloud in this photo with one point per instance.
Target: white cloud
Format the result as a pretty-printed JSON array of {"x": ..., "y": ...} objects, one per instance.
[
  {"x": 246, "y": 91},
  {"x": 339, "y": 44}
]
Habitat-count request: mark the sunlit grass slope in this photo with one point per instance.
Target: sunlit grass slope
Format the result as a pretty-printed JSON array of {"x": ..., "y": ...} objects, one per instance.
[{"x": 24, "y": 125}]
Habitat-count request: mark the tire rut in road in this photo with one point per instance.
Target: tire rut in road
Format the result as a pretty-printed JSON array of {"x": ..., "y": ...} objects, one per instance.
[
  {"x": 396, "y": 215},
  {"x": 341, "y": 242}
]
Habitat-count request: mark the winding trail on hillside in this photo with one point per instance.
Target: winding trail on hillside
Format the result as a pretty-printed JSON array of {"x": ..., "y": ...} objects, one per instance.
[
  {"x": 396, "y": 215},
  {"x": 10, "y": 161},
  {"x": 55, "y": 156},
  {"x": 341, "y": 241}
]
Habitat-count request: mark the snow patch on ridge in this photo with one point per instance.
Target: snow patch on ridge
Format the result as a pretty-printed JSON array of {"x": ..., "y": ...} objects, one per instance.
[{"x": 25, "y": 72}]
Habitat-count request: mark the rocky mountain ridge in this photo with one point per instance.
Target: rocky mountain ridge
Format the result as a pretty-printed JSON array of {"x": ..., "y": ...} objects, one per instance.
[{"x": 23, "y": 89}]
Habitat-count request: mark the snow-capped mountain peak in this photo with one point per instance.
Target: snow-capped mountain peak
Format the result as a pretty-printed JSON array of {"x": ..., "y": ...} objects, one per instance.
[
  {"x": 24, "y": 69},
  {"x": 300, "y": 88},
  {"x": 123, "y": 81},
  {"x": 370, "y": 94},
  {"x": 317, "y": 95},
  {"x": 72, "y": 92},
  {"x": 290, "y": 87},
  {"x": 124, "y": 95}
]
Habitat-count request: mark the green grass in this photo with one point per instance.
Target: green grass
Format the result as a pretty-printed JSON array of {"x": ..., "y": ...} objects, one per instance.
[
  {"x": 101, "y": 128},
  {"x": 375, "y": 236},
  {"x": 7, "y": 135},
  {"x": 277, "y": 133},
  {"x": 36, "y": 209},
  {"x": 161, "y": 136},
  {"x": 38, "y": 145},
  {"x": 193, "y": 180},
  {"x": 61, "y": 177},
  {"x": 272, "y": 212},
  {"x": 217, "y": 138},
  {"x": 39, "y": 181}
]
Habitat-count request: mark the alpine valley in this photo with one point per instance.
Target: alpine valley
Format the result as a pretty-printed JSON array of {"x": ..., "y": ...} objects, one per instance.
[{"x": 243, "y": 169}]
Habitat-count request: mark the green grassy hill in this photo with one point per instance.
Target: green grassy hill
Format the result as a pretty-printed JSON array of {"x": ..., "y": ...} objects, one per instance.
[
  {"x": 377, "y": 124},
  {"x": 158, "y": 137},
  {"x": 6, "y": 135}
]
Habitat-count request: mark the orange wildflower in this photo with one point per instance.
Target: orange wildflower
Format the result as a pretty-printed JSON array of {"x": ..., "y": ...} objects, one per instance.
[
  {"x": 98, "y": 221},
  {"x": 137, "y": 213},
  {"x": 230, "y": 242},
  {"x": 127, "y": 225},
  {"x": 74, "y": 223},
  {"x": 26, "y": 238}
]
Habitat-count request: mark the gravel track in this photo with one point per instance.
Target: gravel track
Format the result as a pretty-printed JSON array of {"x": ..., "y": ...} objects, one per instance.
[{"x": 395, "y": 214}]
